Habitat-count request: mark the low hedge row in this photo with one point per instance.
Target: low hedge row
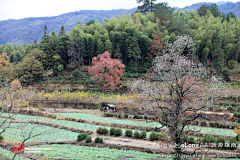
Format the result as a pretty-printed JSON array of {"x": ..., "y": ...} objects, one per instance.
[
  {"x": 214, "y": 124},
  {"x": 136, "y": 116},
  {"x": 118, "y": 132}
]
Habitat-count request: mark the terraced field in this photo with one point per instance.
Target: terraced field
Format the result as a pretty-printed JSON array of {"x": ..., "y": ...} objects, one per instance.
[
  {"x": 26, "y": 118},
  {"x": 85, "y": 152},
  {"x": 18, "y": 131},
  {"x": 89, "y": 127},
  {"x": 86, "y": 116}
]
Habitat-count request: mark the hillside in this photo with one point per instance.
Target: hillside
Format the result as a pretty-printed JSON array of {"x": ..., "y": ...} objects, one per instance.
[
  {"x": 226, "y": 7},
  {"x": 26, "y": 30}
]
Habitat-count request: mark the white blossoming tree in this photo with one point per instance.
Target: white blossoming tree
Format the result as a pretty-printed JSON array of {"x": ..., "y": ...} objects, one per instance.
[{"x": 180, "y": 88}]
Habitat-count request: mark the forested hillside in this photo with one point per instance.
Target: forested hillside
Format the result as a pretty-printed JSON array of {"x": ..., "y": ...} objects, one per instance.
[
  {"x": 26, "y": 30},
  {"x": 135, "y": 40}
]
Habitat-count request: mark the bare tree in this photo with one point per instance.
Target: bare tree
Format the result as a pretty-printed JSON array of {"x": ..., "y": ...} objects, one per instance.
[
  {"x": 46, "y": 76},
  {"x": 76, "y": 52},
  {"x": 29, "y": 134},
  {"x": 178, "y": 87}
]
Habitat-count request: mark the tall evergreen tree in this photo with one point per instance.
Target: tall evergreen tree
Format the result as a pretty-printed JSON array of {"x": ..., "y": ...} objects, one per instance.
[
  {"x": 148, "y": 5},
  {"x": 35, "y": 43},
  {"x": 62, "y": 31},
  {"x": 45, "y": 35}
]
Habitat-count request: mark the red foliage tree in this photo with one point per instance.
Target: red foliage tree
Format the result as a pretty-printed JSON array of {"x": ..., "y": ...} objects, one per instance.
[
  {"x": 156, "y": 48},
  {"x": 107, "y": 70}
]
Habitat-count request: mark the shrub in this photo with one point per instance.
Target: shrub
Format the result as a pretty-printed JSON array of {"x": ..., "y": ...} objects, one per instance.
[
  {"x": 88, "y": 139},
  {"x": 229, "y": 108},
  {"x": 231, "y": 64},
  {"x": 216, "y": 124},
  {"x": 119, "y": 115},
  {"x": 128, "y": 133},
  {"x": 81, "y": 136},
  {"x": 140, "y": 117},
  {"x": 235, "y": 114},
  {"x": 209, "y": 139},
  {"x": 204, "y": 123},
  {"x": 227, "y": 125},
  {"x": 221, "y": 139},
  {"x": 1, "y": 138},
  {"x": 161, "y": 134},
  {"x": 136, "y": 116},
  {"x": 136, "y": 134},
  {"x": 197, "y": 122},
  {"x": 115, "y": 115},
  {"x": 145, "y": 117},
  {"x": 98, "y": 140},
  {"x": 199, "y": 140},
  {"x": 238, "y": 109},
  {"x": 125, "y": 115},
  {"x": 233, "y": 126},
  {"x": 153, "y": 136},
  {"x": 118, "y": 132},
  {"x": 211, "y": 124},
  {"x": 226, "y": 74},
  {"x": 185, "y": 139},
  {"x": 142, "y": 134},
  {"x": 156, "y": 129},
  {"x": 102, "y": 130},
  {"x": 191, "y": 140},
  {"x": 76, "y": 74},
  {"x": 112, "y": 131},
  {"x": 221, "y": 125},
  {"x": 237, "y": 104},
  {"x": 233, "y": 141}
]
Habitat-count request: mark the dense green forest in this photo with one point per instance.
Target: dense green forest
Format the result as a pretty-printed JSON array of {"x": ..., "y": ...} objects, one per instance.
[{"x": 134, "y": 39}]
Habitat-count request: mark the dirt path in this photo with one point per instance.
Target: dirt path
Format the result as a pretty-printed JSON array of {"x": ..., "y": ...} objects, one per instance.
[{"x": 129, "y": 142}]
